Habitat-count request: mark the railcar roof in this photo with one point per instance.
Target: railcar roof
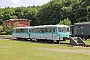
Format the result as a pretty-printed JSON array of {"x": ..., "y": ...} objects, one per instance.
[
  {"x": 22, "y": 27},
  {"x": 82, "y": 23},
  {"x": 51, "y": 26},
  {"x": 42, "y": 26}
]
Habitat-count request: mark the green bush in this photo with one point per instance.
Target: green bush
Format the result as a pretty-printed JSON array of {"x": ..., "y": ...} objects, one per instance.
[
  {"x": 3, "y": 33},
  {"x": 65, "y": 22},
  {"x": 1, "y": 28}
]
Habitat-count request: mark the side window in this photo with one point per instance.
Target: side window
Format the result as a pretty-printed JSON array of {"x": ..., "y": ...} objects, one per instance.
[
  {"x": 34, "y": 30},
  {"x": 23, "y": 30},
  {"x": 60, "y": 29},
  {"x": 41, "y": 29},
  {"x": 17, "y": 30},
  {"x": 78, "y": 27},
  {"x": 37, "y": 29},
  {"x": 46, "y": 29},
  {"x": 64, "y": 29},
  {"x": 49, "y": 29},
  {"x": 75, "y": 29}
]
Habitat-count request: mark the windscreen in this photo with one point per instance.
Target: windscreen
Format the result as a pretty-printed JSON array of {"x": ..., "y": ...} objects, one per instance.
[{"x": 63, "y": 29}]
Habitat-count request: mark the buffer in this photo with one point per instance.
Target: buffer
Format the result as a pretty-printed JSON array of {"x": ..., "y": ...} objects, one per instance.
[{"x": 76, "y": 42}]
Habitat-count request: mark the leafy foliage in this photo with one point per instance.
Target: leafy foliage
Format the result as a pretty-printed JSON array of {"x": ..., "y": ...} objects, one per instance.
[
  {"x": 50, "y": 13},
  {"x": 1, "y": 28},
  {"x": 65, "y": 22},
  {"x": 9, "y": 29}
]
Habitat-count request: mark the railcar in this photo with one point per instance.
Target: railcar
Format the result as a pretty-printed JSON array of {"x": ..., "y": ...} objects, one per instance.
[
  {"x": 82, "y": 30},
  {"x": 45, "y": 32},
  {"x": 21, "y": 32}
]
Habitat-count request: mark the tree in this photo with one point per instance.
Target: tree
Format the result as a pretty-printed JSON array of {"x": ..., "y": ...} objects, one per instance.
[
  {"x": 14, "y": 17},
  {"x": 31, "y": 15},
  {"x": 65, "y": 22},
  {"x": 50, "y": 13},
  {"x": 9, "y": 29},
  {"x": 1, "y": 15},
  {"x": 8, "y": 12},
  {"x": 79, "y": 12},
  {"x": 1, "y": 28}
]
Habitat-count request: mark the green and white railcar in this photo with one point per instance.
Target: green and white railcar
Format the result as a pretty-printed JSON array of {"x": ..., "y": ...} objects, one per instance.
[
  {"x": 47, "y": 32},
  {"x": 51, "y": 32},
  {"x": 21, "y": 32}
]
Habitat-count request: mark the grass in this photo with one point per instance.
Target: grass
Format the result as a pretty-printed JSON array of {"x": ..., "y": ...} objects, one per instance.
[
  {"x": 21, "y": 50},
  {"x": 87, "y": 41}
]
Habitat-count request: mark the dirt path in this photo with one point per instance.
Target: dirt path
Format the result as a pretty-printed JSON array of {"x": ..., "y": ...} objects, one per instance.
[
  {"x": 6, "y": 37},
  {"x": 87, "y": 52}
]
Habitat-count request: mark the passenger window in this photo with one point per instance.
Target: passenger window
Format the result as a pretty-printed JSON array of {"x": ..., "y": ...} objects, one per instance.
[
  {"x": 59, "y": 29},
  {"x": 17, "y": 30},
  {"x": 23, "y": 30},
  {"x": 37, "y": 29},
  {"x": 46, "y": 29},
  {"x": 64, "y": 29},
  {"x": 49, "y": 29},
  {"x": 34, "y": 30},
  {"x": 41, "y": 30}
]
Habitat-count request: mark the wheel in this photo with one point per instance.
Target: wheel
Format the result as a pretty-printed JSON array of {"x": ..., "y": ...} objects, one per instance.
[
  {"x": 18, "y": 38},
  {"x": 52, "y": 41},
  {"x": 58, "y": 41}
]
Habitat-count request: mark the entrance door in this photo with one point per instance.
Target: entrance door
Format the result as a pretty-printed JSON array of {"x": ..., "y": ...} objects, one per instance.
[{"x": 78, "y": 31}]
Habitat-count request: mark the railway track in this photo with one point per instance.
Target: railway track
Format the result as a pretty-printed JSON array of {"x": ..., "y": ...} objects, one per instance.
[
  {"x": 7, "y": 37},
  {"x": 11, "y": 38}
]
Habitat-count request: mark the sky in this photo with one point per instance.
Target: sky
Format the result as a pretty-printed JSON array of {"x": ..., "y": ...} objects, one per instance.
[{"x": 18, "y": 3}]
